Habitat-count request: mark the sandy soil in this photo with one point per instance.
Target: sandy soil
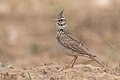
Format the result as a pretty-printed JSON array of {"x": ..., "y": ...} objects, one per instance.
[
  {"x": 27, "y": 39},
  {"x": 54, "y": 71}
]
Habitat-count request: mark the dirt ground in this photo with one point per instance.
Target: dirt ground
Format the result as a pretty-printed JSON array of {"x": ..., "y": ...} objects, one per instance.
[
  {"x": 27, "y": 39},
  {"x": 54, "y": 71}
]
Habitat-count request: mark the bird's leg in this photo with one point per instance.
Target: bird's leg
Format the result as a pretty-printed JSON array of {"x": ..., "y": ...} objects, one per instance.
[
  {"x": 75, "y": 58},
  {"x": 72, "y": 62}
]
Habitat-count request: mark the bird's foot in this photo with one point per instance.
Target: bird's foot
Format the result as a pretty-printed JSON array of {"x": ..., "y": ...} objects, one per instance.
[{"x": 68, "y": 67}]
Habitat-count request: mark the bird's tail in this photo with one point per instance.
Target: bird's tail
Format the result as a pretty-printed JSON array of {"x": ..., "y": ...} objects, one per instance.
[
  {"x": 93, "y": 57},
  {"x": 106, "y": 68},
  {"x": 98, "y": 61}
]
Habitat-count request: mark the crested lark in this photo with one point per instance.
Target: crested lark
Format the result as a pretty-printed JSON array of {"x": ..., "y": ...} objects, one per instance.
[{"x": 70, "y": 44}]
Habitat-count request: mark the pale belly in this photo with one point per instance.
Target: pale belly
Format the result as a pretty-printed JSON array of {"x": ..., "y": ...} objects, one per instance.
[{"x": 66, "y": 50}]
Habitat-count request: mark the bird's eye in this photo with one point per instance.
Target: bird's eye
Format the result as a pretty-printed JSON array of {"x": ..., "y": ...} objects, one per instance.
[{"x": 61, "y": 20}]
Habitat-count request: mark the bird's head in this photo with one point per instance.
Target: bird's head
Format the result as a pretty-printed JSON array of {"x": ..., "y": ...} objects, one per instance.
[{"x": 61, "y": 21}]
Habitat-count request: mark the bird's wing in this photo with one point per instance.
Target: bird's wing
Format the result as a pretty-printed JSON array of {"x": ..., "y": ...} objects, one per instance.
[
  {"x": 73, "y": 38},
  {"x": 74, "y": 44}
]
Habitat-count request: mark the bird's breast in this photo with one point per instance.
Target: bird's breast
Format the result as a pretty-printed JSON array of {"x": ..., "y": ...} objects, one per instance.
[{"x": 63, "y": 48}]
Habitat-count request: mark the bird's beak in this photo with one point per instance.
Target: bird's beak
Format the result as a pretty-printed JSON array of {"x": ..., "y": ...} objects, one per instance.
[{"x": 55, "y": 20}]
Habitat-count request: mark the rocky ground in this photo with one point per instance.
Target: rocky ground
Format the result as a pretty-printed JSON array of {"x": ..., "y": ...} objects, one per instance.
[{"x": 54, "y": 71}]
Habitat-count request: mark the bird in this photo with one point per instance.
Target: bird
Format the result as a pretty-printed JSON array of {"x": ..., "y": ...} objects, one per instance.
[{"x": 71, "y": 45}]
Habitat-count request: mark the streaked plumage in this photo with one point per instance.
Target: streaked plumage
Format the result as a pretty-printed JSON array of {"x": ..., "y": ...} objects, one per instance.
[{"x": 69, "y": 43}]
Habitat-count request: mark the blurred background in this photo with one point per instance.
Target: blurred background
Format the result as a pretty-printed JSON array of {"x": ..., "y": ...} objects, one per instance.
[{"x": 27, "y": 30}]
